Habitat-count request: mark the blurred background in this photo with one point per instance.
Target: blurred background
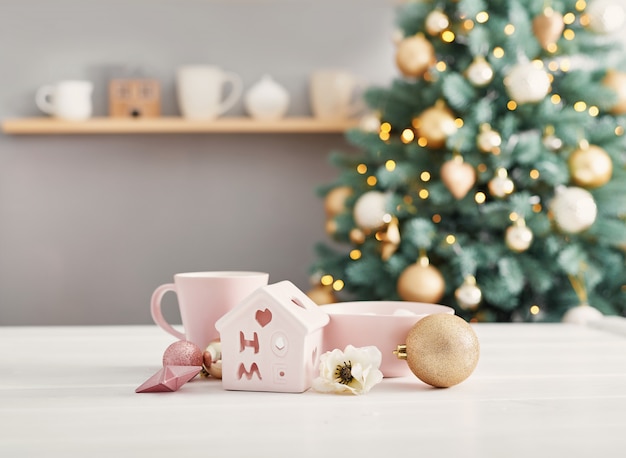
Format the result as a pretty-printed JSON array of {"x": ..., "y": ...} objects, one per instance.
[{"x": 90, "y": 225}]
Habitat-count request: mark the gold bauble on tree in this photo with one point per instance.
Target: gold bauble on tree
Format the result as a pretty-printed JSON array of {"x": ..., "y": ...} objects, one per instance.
[
  {"x": 357, "y": 236},
  {"x": 335, "y": 201},
  {"x": 548, "y": 27},
  {"x": 421, "y": 282},
  {"x": 414, "y": 55},
  {"x": 331, "y": 227},
  {"x": 435, "y": 125},
  {"x": 617, "y": 82},
  {"x": 389, "y": 239},
  {"x": 590, "y": 166},
  {"x": 458, "y": 176},
  {"x": 322, "y": 294}
]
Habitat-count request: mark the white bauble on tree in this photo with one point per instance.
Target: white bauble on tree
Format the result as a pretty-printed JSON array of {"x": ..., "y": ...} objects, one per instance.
[
  {"x": 468, "y": 295},
  {"x": 582, "y": 314},
  {"x": 370, "y": 122},
  {"x": 501, "y": 185},
  {"x": 488, "y": 140},
  {"x": 370, "y": 210},
  {"x": 479, "y": 72},
  {"x": 552, "y": 142},
  {"x": 605, "y": 16},
  {"x": 436, "y": 22},
  {"x": 518, "y": 237},
  {"x": 527, "y": 82},
  {"x": 574, "y": 209}
]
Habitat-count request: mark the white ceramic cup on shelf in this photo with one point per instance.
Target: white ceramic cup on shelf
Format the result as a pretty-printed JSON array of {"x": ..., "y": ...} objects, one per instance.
[
  {"x": 200, "y": 88},
  {"x": 70, "y": 99},
  {"x": 335, "y": 94}
]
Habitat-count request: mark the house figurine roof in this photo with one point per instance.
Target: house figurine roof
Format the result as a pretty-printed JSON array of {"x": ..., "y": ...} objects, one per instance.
[{"x": 298, "y": 307}]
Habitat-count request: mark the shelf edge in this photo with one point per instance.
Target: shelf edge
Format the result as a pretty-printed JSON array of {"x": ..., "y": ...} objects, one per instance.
[{"x": 172, "y": 125}]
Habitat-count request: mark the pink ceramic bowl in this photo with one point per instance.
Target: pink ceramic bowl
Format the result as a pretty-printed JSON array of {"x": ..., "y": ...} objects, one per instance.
[{"x": 384, "y": 324}]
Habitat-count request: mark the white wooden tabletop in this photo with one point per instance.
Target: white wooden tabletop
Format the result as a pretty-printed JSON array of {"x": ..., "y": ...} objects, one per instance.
[{"x": 542, "y": 390}]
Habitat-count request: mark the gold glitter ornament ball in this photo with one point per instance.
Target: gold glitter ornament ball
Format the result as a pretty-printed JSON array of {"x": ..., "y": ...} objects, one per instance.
[{"x": 442, "y": 350}]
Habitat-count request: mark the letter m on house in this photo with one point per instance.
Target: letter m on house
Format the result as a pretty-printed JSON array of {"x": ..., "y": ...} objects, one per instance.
[{"x": 254, "y": 369}]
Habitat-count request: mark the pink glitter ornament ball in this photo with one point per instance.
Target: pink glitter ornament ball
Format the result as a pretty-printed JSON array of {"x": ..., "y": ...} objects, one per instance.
[{"x": 182, "y": 353}]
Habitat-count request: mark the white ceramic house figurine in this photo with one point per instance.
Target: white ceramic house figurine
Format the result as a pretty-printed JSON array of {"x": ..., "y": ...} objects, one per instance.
[
  {"x": 267, "y": 100},
  {"x": 272, "y": 340}
]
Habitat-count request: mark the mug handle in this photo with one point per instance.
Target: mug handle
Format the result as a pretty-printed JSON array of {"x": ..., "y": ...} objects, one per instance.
[
  {"x": 236, "y": 90},
  {"x": 42, "y": 99},
  {"x": 155, "y": 310}
]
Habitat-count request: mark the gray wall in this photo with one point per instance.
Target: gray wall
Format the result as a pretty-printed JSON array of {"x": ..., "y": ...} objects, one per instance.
[{"x": 90, "y": 225}]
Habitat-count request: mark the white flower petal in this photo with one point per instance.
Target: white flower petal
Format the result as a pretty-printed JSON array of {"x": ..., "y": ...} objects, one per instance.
[
  {"x": 363, "y": 362},
  {"x": 357, "y": 371}
]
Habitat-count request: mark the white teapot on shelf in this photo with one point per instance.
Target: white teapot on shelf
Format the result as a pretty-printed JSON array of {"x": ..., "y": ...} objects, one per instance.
[{"x": 266, "y": 99}]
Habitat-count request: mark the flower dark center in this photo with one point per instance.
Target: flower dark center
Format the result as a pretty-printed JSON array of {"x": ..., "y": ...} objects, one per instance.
[{"x": 344, "y": 372}]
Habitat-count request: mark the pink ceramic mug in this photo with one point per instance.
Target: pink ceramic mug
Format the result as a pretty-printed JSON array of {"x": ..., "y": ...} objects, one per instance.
[{"x": 203, "y": 297}]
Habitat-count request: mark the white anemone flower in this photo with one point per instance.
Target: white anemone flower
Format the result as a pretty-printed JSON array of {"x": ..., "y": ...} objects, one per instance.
[{"x": 354, "y": 370}]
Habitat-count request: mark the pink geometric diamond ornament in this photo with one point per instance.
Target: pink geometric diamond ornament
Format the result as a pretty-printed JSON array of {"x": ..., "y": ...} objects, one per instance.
[{"x": 170, "y": 378}]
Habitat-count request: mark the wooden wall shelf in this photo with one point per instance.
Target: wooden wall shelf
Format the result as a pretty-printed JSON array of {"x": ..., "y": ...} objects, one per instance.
[{"x": 172, "y": 125}]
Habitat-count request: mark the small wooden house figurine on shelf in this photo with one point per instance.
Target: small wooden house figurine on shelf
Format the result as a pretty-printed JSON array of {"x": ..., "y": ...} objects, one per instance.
[
  {"x": 134, "y": 98},
  {"x": 271, "y": 341}
]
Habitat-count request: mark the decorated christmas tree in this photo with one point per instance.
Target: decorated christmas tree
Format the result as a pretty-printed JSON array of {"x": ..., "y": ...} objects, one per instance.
[{"x": 490, "y": 176}]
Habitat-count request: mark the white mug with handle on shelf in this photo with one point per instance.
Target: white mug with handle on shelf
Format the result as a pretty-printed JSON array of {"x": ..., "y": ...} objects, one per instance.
[
  {"x": 199, "y": 90},
  {"x": 335, "y": 94},
  {"x": 70, "y": 99}
]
